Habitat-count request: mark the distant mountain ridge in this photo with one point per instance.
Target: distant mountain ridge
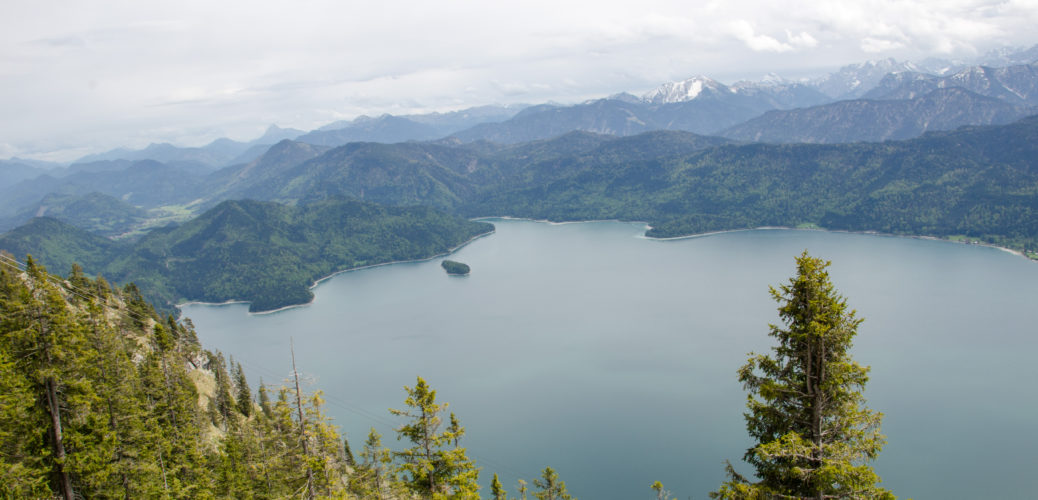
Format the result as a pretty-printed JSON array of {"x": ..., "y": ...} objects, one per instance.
[
  {"x": 1013, "y": 84},
  {"x": 218, "y": 153},
  {"x": 878, "y": 120}
]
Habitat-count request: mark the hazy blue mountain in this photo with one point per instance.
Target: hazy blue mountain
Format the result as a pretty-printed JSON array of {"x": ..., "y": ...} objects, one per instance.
[
  {"x": 1009, "y": 56},
  {"x": 385, "y": 128},
  {"x": 14, "y": 171},
  {"x": 219, "y": 153},
  {"x": 878, "y": 120},
  {"x": 854, "y": 80},
  {"x": 391, "y": 129},
  {"x": 1013, "y": 84},
  {"x": 144, "y": 183}
]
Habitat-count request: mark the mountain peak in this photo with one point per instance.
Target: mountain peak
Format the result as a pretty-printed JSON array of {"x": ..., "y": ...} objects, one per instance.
[{"x": 685, "y": 90}]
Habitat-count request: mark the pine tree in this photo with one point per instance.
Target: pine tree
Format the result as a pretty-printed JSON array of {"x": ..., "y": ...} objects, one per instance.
[
  {"x": 551, "y": 487},
  {"x": 814, "y": 436},
  {"x": 430, "y": 467}
]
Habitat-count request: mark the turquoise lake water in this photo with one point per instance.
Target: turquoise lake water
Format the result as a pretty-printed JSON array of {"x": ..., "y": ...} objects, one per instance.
[{"x": 613, "y": 358}]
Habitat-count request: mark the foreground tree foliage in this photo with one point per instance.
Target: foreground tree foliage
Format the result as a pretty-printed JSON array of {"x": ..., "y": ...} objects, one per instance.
[
  {"x": 100, "y": 397},
  {"x": 806, "y": 412},
  {"x": 434, "y": 466}
]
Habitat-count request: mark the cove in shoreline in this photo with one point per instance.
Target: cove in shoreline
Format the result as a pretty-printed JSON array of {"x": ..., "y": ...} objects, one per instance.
[{"x": 330, "y": 276}]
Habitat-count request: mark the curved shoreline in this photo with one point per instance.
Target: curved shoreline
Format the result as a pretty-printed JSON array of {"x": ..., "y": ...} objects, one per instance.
[{"x": 336, "y": 273}]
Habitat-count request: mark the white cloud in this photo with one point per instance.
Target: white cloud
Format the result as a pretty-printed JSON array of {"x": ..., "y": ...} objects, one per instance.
[
  {"x": 109, "y": 73},
  {"x": 802, "y": 39},
  {"x": 743, "y": 30}
]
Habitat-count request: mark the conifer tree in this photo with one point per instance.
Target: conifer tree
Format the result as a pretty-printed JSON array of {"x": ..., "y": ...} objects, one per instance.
[
  {"x": 497, "y": 489},
  {"x": 23, "y": 454},
  {"x": 551, "y": 487},
  {"x": 430, "y": 467},
  {"x": 223, "y": 401},
  {"x": 264, "y": 400},
  {"x": 244, "y": 398},
  {"x": 51, "y": 351},
  {"x": 347, "y": 453},
  {"x": 370, "y": 478},
  {"x": 814, "y": 437}
]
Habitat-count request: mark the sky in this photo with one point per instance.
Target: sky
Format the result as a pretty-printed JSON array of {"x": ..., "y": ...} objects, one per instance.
[{"x": 85, "y": 76}]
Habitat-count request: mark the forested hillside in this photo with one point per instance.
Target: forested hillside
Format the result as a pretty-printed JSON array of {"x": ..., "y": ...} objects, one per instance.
[
  {"x": 261, "y": 252},
  {"x": 100, "y": 397}
]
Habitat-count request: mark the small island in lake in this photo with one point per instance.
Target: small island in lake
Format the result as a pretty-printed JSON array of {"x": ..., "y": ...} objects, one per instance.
[{"x": 455, "y": 268}]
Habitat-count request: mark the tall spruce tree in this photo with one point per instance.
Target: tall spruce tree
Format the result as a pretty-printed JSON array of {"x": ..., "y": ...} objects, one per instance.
[{"x": 814, "y": 436}]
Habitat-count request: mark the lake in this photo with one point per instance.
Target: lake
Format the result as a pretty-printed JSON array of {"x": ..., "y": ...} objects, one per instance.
[{"x": 613, "y": 358}]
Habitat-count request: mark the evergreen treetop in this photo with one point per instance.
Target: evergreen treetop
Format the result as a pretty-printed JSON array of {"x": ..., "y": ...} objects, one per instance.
[{"x": 814, "y": 436}]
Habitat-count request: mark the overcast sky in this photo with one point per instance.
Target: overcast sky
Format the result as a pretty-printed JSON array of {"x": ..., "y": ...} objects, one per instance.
[{"x": 82, "y": 76}]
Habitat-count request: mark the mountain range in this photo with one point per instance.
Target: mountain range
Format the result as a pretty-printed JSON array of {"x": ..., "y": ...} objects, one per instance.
[
  {"x": 980, "y": 183},
  {"x": 949, "y": 153}
]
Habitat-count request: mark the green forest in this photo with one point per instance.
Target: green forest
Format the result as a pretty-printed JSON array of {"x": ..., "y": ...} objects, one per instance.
[
  {"x": 102, "y": 397},
  {"x": 262, "y": 252}
]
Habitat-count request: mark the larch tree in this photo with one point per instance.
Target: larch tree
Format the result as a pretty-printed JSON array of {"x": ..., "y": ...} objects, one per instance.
[{"x": 814, "y": 436}]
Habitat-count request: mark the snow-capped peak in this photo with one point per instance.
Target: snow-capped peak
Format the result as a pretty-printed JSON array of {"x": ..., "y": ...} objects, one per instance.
[{"x": 682, "y": 91}]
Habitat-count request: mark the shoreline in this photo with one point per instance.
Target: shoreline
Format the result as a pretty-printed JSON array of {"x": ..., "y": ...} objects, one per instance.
[
  {"x": 786, "y": 228},
  {"x": 845, "y": 231},
  {"x": 336, "y": 273},
  {"x": 641, "y": 236}
]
